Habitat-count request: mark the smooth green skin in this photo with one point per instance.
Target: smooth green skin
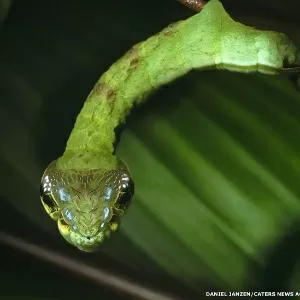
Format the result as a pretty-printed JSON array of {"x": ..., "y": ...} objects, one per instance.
[{"x": 208, "y": 40}]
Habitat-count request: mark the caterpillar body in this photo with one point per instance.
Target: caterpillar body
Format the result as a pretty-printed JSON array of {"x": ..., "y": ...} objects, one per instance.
[{"x": 88, "y": 188}]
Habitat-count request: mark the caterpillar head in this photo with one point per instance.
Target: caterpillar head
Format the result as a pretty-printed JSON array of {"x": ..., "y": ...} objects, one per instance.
[{"x": 86, "y": 204}]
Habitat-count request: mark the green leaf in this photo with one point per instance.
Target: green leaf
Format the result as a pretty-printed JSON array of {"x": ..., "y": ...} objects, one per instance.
[{"x": 216, "y": 175}]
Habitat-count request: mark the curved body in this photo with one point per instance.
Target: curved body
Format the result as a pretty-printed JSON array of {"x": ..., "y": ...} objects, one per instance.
[{"x": 87, "y": 189}]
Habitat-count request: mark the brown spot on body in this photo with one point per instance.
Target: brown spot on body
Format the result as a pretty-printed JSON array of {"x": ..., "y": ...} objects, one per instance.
[
  {"x": 99, "y": 87},
  {"x": 134, "y": 63},
  {"x": 111, "y": 95},
  {"x": 98, "y": 90},
  {"x": 111, "y": 98},
  {"x": 133, "y": 56},
  {"x": 170, "y": 30},
  {"x": 103, "y": 90}
]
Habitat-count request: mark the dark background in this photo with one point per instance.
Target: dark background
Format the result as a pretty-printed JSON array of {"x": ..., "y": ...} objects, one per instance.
[{"x": 52, "y": 52}]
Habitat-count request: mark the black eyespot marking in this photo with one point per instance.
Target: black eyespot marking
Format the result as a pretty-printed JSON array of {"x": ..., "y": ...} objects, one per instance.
[
  {"x": 126, "y": 191},
  {"x": 114, "y": 219},
  {"x": 47, "y": 201},
  {"x": 63, "y": 222}
]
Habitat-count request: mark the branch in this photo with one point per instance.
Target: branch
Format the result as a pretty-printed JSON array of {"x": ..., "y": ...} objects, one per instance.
[
  {"x": 125, "y": 286},
  {"x": 195, "y": 5}
]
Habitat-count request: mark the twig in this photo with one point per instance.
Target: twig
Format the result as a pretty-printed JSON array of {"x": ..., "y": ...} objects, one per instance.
[
  {"x": 195, "y": 5},
  {"x": 131, "y": 288},
  {"x": 294, "y": 70}
]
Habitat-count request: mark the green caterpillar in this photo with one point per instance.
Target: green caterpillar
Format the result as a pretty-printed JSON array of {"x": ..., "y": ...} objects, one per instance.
[{"x": 88, "y": 188}]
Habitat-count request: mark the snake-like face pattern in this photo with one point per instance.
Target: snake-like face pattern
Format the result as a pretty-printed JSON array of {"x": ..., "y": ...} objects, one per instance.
[{"x": 87, "y": 205}]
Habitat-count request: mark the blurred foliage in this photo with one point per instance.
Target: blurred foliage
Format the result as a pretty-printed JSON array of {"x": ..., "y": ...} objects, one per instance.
[
  {"x": 215, "y": 156},
  {"x": 4, "y": 9}
]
